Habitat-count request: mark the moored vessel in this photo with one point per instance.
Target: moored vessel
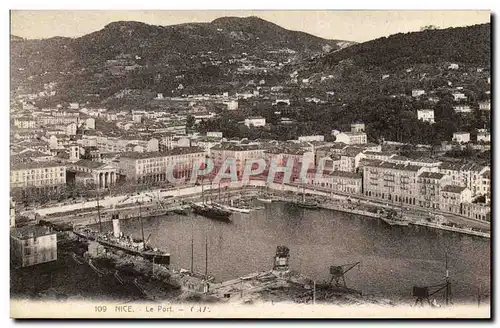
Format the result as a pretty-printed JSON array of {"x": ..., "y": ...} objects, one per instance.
[
  {"x": 392, "y": 218},
  {"x": 211, "y": 212}
]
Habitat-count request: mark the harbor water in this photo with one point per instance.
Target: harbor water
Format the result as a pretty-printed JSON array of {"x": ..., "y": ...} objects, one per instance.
[{"x": 393, "y": 258}]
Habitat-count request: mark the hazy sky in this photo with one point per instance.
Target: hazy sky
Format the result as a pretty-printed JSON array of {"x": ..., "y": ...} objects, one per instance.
[{"x": 345, "y": 25}]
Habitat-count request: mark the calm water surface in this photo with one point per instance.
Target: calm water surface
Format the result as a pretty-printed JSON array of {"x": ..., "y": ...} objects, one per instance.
[{"x": 393, "y": 259}]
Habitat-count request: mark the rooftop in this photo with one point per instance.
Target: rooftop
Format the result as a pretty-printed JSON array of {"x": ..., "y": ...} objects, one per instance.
[
  {"x": 235, "y": 147},
  {"x": 173, "y": 152},
  {"x": 343, "y": 174},
  {"x": 431, "y": 175},
  {"x": 289, "y": 151},
  {"x": 34, "y": 165},
  {"x": 454, "y": 189},
  {"x": 461, "y": 166},
  {"x": 389, "y": 165},
  {"x": 353, "y": 134},
  {"x": 89, "y": 164},
  {"x": 28, "y": 232}
]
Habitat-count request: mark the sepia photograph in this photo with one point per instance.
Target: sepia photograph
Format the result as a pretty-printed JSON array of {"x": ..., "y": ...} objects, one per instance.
[{"x": 250, "y": 164}]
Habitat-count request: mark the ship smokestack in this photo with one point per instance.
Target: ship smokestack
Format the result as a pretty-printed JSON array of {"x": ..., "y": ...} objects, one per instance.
[{"x": 116, "y": 226}]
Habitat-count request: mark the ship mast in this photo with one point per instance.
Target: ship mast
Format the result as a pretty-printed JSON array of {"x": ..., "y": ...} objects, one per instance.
[
  {"x": 99, "y": 211},
  {"x": 202, "y": 191},
  {"x": 142, "y": 227},
  {"x": 192, "y": 254},
  {"x": 447, "y": 278},
  {"x": 206, "y": 257},
  {"x": 192, "y": 245}
]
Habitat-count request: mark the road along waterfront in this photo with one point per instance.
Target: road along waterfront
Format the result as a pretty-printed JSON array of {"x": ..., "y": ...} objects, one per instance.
[{"x": 85, "y": 212}]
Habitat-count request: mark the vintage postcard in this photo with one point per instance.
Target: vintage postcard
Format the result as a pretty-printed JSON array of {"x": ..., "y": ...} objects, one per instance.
[{"x": 250, "y": 164}]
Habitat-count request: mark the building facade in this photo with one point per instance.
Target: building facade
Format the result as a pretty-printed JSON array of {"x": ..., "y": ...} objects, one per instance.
[
  {"x": 351, "y": 138},
  {"x": 37, "y": 177},
  {"x": 31, "y": 245},
  {"x": 153, "y": 167},
  {"x": 426, "y": 115}
]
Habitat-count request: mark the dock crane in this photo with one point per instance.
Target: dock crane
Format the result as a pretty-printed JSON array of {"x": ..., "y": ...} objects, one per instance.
[
  {"x": 424, "y": 293},
  {"x": 338, "y": 272}
]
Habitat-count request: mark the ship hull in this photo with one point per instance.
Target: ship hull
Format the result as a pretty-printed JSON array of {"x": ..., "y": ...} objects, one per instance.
[
  {"x": 395, "y": 222},
  {"x": 307, "y": 206},
  {"x": 211, "y": 213},
  {"x": 159, "y": 258},
  {"x": 234, "y": 209}
]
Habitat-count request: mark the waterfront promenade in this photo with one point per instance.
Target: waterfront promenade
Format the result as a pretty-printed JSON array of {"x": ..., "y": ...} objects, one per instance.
[{"x": 86, "y": 212}]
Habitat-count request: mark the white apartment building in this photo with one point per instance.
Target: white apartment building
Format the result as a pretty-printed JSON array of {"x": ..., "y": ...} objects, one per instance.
[
  {"x": 239, "y": 153},
  {"x": 338, "y": 181},
  {"x": 391, "y": 181},
  {"x": 453, "y": 196},
  {"x": 417, "y": 93},
  {"x": 311, "y": 138},
  {"x": 255, "y": 121},
  {"x": 426, "y": 115},
  {"x": 461, "y": 137},
  {"x": 152, "y": 167},
  {"x": 282, "y": 156},
  {"x": 485, "y": 105},
  {"x": 358, "y": 127},
  {"x": 31, "y": 245},
  {"x": 475, "y": 177},
  {"x": 462, "y": 109},
  {"x": 232, "y": 105},
  {"x": 458, "y": 96},
  {"x": 483, "y": 136},
  {"x": 351, "y": 138},
  {"x": 37, "y": 177},
  {"x": 24, "y": 123}
]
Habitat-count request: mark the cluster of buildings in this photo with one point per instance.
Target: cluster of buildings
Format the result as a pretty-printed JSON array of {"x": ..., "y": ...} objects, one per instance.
[{"x": 131, "y": 148}]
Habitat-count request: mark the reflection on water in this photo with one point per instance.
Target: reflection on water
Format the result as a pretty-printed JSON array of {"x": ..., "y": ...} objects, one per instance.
[{"x": 393, "y": 259}]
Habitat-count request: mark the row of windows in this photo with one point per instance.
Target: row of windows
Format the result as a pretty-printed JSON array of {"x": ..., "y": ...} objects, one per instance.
[
  {"x": 40, "y": 258},
  {"x": 168, "y": 160},
  {"x": 37, "y": 171}
]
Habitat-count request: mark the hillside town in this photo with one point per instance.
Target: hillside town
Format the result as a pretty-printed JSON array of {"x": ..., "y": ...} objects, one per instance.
[
  {"x": 154, "y": 178},
  {"x": 57, "y": 153}
]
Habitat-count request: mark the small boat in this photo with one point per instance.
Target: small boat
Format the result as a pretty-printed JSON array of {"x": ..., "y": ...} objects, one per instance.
[
  {"x": 307, "y": 204},
  {"x": 232, "y": 208},
  {"x": 181, "y": 211},
  {"x": 392, "y": 219},
  {"x": 155, "y": 212},
  {"x": 264, "y": 200}
]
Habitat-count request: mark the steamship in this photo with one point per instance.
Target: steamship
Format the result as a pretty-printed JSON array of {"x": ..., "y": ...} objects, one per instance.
[{"x": 127, "y": 244}]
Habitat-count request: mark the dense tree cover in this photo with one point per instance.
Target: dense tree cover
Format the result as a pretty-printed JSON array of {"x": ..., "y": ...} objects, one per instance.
[
  {"x": 385, "y": 118},
  {"x": 462, "y": 44}
]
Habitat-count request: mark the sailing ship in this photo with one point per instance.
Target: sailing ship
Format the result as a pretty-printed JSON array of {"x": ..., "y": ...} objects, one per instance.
[
  {"x": 264, "y": 197},
  {"x": 392, "y": 218},
  {"x": 309, "y": 204},
  {"x": 230, "y": 206},
  {"x": 122, "y": 242},
  {"x": 211, "y": 211}
]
